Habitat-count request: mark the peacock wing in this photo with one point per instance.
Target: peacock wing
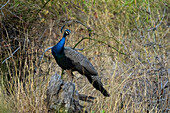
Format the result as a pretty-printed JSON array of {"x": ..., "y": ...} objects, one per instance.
[{"x": 80, "y": 62}]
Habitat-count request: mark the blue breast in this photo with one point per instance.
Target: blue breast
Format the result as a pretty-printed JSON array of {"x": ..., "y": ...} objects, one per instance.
[{"x": 58, "y": 49}]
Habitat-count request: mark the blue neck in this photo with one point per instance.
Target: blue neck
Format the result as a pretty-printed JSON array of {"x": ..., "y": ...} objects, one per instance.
[{"x": 58, "y": 49}]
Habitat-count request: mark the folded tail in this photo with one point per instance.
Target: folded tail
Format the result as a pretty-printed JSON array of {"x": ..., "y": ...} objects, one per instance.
[{"x": 96, "y": 82}]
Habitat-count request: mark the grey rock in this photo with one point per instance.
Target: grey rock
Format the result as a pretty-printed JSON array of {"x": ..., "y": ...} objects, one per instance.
[{"x": 62, "y": 96}]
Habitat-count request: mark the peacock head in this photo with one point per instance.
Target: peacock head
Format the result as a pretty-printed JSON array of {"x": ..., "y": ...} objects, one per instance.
[{"x": 66, "y": 32}]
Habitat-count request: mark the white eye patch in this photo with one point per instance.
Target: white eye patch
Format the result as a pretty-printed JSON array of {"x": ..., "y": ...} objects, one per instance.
[{"x": 67, "y": 32}]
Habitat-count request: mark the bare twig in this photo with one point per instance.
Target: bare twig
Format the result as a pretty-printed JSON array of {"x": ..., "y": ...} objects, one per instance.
[
  {"x": 76, "y": 21},
  {"x": 42, "y": 8},
  {"x": 11, "y": 55},
  {"x": 4, "y": 6},
  {"x": 44, "y": 53},
  {"x": 99, "y": 42},
  {"x": 155, "y": 28}
]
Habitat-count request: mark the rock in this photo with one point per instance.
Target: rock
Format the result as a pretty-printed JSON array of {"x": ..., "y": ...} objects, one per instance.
[{"x": 62, "y": 96}]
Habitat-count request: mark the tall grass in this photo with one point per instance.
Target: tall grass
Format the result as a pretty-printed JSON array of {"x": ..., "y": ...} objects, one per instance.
[{"x": 137, "y": 80}]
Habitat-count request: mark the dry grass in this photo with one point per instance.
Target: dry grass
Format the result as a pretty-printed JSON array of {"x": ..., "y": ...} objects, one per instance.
[{"x": 138, "y": 81}]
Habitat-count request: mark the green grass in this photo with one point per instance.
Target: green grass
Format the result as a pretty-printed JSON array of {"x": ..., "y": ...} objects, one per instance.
[
  {"x": 137, "y": 79},
  {"x": 4, "y": 105}
]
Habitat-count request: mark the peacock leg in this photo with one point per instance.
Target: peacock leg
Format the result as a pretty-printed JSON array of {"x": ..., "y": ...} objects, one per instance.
[{"x": 69, "y": 72}]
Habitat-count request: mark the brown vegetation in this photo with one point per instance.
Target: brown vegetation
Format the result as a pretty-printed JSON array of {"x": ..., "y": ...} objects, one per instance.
[{"x": 129, "y": 47}]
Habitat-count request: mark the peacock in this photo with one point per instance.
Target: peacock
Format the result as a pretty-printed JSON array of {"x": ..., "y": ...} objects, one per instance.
[{"x": 71, "y": 60}]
